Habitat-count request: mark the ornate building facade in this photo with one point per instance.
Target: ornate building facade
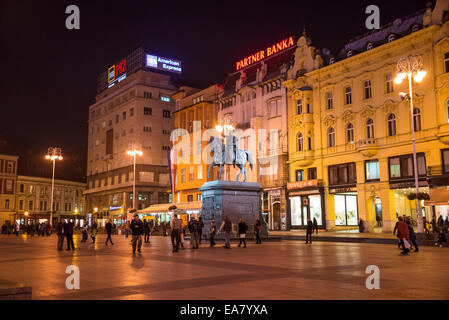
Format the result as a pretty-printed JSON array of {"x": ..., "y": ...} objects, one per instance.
[{"x": 350, "y": 145}]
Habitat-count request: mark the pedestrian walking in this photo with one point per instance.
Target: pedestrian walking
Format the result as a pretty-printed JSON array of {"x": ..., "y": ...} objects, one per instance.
[
  {"x": 441, "y": 238},
  {"x": 164, "y": 228},
  {"x": 17, "y": 229},
  {"x": 446, "y": 224},
  {"x": 136, "y": 232},
  {"x": 126, "y": 229},
  {"x": 194, "y": 233},
  {"x": 309, "y": 231},
  {"x": 146, "y": 231},
  {"x": 200, "y": 228},
  {"x": 396, "y": 232},
  {"x": 412, "y": 236},
  {"x": 176, "y": 225},
  {"x": 315, "y": 225},
  {"x": 257, "y": 228},
  {"x": 226, "y": 225},
  {"x": 109, "y": 232},
  {"x": 212, "y": 232},
  {"x": 243, "y": 227},
  {"x": 93, "y": 232},
  {"x": 84, "y": 233},
  {"x": 68, "y": 231},
  {"x": 404, "y": 236},
  {"x": 60, "y": 233}
]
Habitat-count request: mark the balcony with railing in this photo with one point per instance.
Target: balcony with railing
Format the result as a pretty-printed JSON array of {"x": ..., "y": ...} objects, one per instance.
[{"x": 367, "y": 147}]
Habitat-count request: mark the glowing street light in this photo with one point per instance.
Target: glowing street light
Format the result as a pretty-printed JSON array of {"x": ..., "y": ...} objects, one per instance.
[
  {"x": 134, "y": 150},
  {"x": 53, "y": 154},
  {"x": 26, "y": 213},
  {"x": 411, "y": 67}
]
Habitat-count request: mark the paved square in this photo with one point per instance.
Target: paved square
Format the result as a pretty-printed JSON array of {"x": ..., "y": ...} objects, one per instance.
[{"x": 273, "y": 270}]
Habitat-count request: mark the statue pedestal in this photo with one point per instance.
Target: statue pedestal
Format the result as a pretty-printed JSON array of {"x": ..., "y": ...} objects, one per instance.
[{"x": 236, "y": 200}]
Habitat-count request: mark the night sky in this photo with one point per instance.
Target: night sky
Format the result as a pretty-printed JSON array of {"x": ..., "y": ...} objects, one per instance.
[{"x": 49, "y": 73}]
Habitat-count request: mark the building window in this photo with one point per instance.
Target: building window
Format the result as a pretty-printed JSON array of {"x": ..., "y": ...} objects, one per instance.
[
  {"x": 348, "y": 95},
  {"x": 445, "y": 156},
  {"x": 190, "y": 198},
  {"x": 311, "y": 173},
  {"x": 199, "y": 172},
  {"x": 131, "y": 112},
  {"x": 446, "y": 62},
  {"x": 402, "y": 166},
  {"x": 274, "y": 108},
  {"x": 7, "y": 204},
  {"x": 300, "y": 145},
  {"x": 116, "y": 118},
  {"x": 20, "y": 204},
  {"x": 300, "y": 175},
  {"x": 10, "y": 167},
  {"x": 331, "y": 137},
  {"x": 299, "y": 106},
  {"x": 147, "y": 111},
  {"x": 191, "y": 173},
  {"x": 391, "y": 125},
  {"x": 146, "y": 129},
  {"x": 370, "y": 129},
  {"x": 372, "y": 170},
  {"x": 22, "y": 188},
  {"x": 367, "y": 86},
  {"x": 30, "y": 205},
  {"x": 330, "y": 102},
  {"x": 342, "y": 174},
  {"x": 309, "y": 140},
  {"x": 165, "y": 99},
  {"x": 308, "y": 107},
  {"x": 124, "y": 115},
  {"x": 166, "y": 113},
  {"x": 183, "y": 175},
  {"x": 417, "y": 119},
  {"x": 198, "y": 197},
  {"x": 389, "y": 83},
  {"x": 349, "y": 133}
]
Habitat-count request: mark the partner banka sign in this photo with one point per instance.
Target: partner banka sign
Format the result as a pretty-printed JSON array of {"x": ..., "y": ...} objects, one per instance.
[{"x": 164, "y": 64}]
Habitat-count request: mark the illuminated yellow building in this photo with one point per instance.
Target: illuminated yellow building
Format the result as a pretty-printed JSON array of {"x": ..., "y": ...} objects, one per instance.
[
  {"x": 195, "y": 112},
  {"x": 350, "y": 142}
]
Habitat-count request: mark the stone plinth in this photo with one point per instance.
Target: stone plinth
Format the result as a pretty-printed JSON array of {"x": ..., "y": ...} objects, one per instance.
[{"x": 235, "y": 199}]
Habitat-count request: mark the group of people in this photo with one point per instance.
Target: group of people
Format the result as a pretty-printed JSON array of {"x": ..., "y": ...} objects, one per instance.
[
  {"x": 196, "y": 229},
  {"x": 41, "y": 229}
]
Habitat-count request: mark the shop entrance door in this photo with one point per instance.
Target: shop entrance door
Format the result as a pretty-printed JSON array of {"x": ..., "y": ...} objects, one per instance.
[
  {"x": 276, "y": 212},
  {"x": 305, "y": 210},
  {"x": 378, "y": 211}
]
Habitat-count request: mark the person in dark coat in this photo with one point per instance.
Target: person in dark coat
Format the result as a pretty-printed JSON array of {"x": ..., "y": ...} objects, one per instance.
[
  {"x": 412, "y": 235},
  {"x": 68, "y": 231},
  {"x": 200, "y": 228},
  {"x": 315, "y": 225},
  {"x": 136, "y": 231},
  {"x": 146, "y": 230},
  {"x": 226, "y": 225},
  {"x": 243, "y": 227},
  {"x": 193, "y": 228},
  {"x": 257, "y": 228},
  {"x": 109, "y": 232},
  {"x": 213, "y": 230},
  {"x": 164, "y": 228},
  {"x": 60, "y": 232},
  {"x": 441, "y": 238},
  {"x": 396, "y": 232},
  {"x": 440, "y": 223},
  {"x": 309, "y": 231}
]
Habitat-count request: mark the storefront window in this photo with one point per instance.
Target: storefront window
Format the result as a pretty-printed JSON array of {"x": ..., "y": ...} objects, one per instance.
[
  {"x": 315, "y": 208},
  {"x": 372, "y": 170},
  {"x": 346, "y": 210},
  {"x": 296, "y": 213}
]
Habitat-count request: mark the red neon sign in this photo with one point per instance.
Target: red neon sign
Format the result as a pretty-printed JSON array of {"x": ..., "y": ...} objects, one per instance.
[
  {"x": 120, "y": 68},
  {"x": 280, "y": 46}
]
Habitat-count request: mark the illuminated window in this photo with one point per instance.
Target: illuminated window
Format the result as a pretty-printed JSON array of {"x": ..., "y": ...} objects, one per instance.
[
  {"x": 300, "y": 175},
  {"x": 372, "y": 170},
  {"x": 191, "y": 173},
  {"x": 331, "y": 137},
  {"x": 7, "y": 204},
  {"x": 367, "y": 86},
  {"x": 389, "y": 83},
  {"x": 417, "y": 119},
  {"x": 199, "y": 172},
  {"x": 165, "y": 99},
  {"x": 349, "y": 133},
  {"x": 299, "y": 106},
  {"x": 183, "y": 175},
  {"x": 300, "y": 142},
  {"x": 391, "y": 125},
  {"x": 370, "y": 129},
  {"x": 146, "y": 129},
  {"x": 330, "y": 102},
  {"x": 348, "y": 95}
]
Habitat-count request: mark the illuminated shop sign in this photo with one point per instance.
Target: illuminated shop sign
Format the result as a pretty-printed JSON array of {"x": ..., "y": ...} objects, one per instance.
[
  {"x": 164, "y": 64},
  {"x": 276, "y": 48},
  {"x": 117, "y": 73},
  {"x": 302, "y": 184}
]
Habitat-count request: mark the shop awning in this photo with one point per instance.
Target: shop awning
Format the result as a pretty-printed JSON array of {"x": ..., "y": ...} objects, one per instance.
[
  {"x": 181, "y": 207},
  {"x": 438, "y": 197}
]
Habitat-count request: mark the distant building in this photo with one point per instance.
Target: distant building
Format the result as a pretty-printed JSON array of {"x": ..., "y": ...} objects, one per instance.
[
  {"x": 133, "y": 108},
  {"x": 8, "y": 178}
]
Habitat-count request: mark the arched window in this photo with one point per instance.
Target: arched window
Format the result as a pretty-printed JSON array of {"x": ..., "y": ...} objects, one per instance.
[
  {"x": 349, "y": 133},
  {"x": 370, "y": 129},
  {"x": 299, "y": 142},
  {"x": 417, "y": 119},
  {"x": 331, "y": 137},
  {"x": 391, "y": 125}
]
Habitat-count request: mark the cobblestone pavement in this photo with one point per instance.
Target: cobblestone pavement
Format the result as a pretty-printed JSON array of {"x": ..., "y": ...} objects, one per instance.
[{"x": 273, "y": 270}]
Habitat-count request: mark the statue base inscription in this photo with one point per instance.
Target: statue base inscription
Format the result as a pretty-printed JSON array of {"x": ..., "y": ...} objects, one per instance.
[{"x": 236, "y": 200}]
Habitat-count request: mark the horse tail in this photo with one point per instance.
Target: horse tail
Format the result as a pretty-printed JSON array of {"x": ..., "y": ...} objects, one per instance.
[{"x": 249, "y": 158}]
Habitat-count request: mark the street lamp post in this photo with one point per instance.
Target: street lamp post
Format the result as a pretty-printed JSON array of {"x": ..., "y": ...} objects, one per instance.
[
  {"x": 411, "y": 67},
  {"x": 134, "y": 150},
  {"x": 53, "y": 154}
]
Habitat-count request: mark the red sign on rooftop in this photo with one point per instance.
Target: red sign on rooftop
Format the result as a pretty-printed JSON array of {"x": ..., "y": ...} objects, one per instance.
[{"x": 275, "y": 48}]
